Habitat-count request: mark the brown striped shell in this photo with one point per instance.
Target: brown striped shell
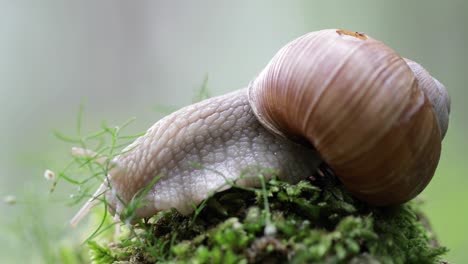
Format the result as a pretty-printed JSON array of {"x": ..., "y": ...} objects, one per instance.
[{"x": 361, "y": 106}]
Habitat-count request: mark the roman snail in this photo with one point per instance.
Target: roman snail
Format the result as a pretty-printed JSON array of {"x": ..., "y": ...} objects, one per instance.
[{"x": 335, "y": 96}]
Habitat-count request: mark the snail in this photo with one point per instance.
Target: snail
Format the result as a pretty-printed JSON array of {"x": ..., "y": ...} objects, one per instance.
[{"x": 334, "y": 96}]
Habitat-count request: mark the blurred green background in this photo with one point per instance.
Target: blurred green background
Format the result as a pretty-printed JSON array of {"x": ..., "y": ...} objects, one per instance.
[{"x": 123, "y": 58}]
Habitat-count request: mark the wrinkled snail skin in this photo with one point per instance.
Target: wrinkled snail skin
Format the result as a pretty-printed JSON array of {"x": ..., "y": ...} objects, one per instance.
[
  {"x": 358, "y": 103},
  {"x": 196, "y": 149}
]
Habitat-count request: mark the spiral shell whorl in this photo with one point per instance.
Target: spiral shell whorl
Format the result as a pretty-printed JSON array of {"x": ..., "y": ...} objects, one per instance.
[
  {"x": 435, "y": 92},
  {"x": 358, "y": 103}
]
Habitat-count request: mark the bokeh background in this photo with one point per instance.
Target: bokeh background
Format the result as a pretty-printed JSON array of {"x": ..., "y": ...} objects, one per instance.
[{"x": 125, "y": 58}]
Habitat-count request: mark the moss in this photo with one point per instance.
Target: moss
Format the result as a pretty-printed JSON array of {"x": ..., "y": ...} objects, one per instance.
[{"x": 315, "y": 220}]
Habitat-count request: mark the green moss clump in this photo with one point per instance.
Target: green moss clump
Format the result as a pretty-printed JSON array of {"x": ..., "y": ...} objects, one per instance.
[{"x": 315, "y": 221}]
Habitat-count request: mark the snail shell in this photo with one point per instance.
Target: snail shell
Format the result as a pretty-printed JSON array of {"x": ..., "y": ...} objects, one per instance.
[
  {"x": 332, "y": 95},
  {"x": 361, "y": 106}
]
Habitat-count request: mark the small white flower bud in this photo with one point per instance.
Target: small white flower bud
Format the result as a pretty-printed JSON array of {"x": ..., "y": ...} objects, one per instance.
[
  {"x": 49, "y": 175},
  {"x": 10, "y": 199}
]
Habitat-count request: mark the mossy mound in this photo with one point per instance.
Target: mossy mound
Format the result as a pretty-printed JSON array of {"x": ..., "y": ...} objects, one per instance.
[{"x": 314, "y": 221}]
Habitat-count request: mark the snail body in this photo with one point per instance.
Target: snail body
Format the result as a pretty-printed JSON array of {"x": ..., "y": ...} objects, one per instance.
[
  {"x": 198, "y": 150},
  {"x": 356, "y": 102}
]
